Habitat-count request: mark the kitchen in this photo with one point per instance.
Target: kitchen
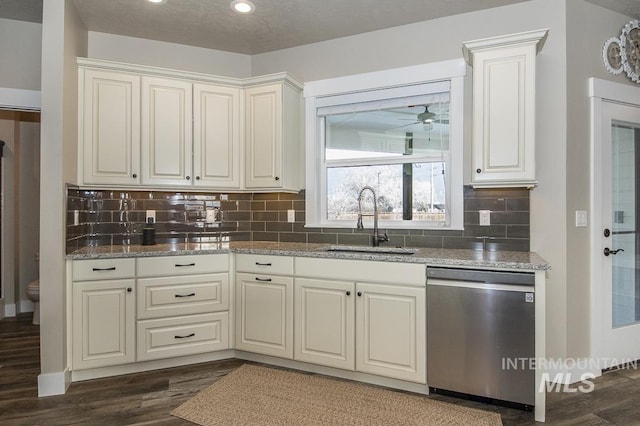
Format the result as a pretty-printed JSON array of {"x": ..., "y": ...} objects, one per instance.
[{"x": 560, "y": 190}]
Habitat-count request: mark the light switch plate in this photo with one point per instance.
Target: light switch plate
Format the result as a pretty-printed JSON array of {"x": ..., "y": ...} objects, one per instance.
[
  {"x": 291, "y": 215},
  {"x": 485, "y": 217},
  {"x": 581, "y": 218}
]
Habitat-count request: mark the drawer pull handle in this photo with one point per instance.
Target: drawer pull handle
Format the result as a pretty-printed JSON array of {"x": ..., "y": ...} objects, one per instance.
[
  {"x": 185, "y": 337},
  {"x": 113, "y": 268},
  {"x": 185, "y": 295},
  {"x": 266, "y": 280},
  {"x": 178, "y": 265},
  {"x": 263, "y": 264}
]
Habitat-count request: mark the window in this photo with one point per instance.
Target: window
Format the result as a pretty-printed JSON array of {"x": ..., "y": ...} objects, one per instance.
[{"x": 403, "y": 140}]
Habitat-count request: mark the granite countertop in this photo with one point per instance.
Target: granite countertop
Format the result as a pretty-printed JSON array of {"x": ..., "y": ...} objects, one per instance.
[{"x": 428, "y": 256}]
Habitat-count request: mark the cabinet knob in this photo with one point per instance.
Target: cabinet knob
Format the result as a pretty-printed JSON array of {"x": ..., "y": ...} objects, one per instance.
[
  {"x": 478, "y": 170},
  {"x": 188, "y": 177},
  {"x": 197, "y": 177},
  {"x": 348, "y": 293},
  {"x": 129, "y": 289},
  {"x": 277, "y": 178},
  {"x": 359, "y": 293},
  {"x": 134, "y": 175}
]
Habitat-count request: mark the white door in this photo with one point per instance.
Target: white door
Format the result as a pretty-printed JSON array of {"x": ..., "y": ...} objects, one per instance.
[
  {"x": 391, "y": 331},
  {"x": 216, "y": 136},
  {"x": 324, "y": 322},
  {"x": 166, "y": 131},
  {"x": 264, "y": 314},
  {"x": 617, "y": 242}
]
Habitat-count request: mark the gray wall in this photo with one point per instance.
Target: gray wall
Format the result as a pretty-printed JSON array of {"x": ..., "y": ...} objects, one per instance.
[
  {"x": 21, "y": 46},
  {"x": 588, "y": 26},
  {"x": 441, "y": 39}
]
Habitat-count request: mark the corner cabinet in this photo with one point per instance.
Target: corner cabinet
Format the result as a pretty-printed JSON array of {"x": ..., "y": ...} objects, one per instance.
[
  {"x": 503, "y": 132},
  {"x": 273, "y": 137}
]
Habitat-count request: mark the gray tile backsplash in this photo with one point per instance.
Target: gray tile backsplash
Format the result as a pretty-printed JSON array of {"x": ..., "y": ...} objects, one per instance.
[{"x": 116, "y": 217}]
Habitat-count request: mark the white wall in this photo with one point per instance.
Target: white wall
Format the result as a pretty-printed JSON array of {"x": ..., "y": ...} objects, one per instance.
[
  {"x": 167, "y": 55},
  {"x": 63, "y": 38},
  {"x": 442, "y": 39},
  {"x": 588, "y": 27},
  {"x": 20, "y": 47}
]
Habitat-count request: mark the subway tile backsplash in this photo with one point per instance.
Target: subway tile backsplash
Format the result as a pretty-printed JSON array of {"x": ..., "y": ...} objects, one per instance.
[{"x": 103, "y": 217}]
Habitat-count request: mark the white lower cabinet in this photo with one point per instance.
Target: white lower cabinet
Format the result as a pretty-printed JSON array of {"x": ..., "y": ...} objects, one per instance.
[
  {"x": 369, "y": 327},
  {"x": 103, "y": 323},
  {"x": 183, "y": 304},
  {"x": 325, "y": 322},
  {"x": 264, "y": 304},
  {"x": 391, "y": 331},
  {"x": 264, "y": 314}
]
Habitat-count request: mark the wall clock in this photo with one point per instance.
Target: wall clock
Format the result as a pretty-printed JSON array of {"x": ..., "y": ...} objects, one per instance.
[
  {"x": 630, "y": 50},
  {"x": 612, "y": 56}
]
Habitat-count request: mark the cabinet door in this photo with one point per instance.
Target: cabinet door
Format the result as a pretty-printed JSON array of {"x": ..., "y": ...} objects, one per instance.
[
  {"x": 263, "y": 136},
  {"x": 110, "y": 122},
  {"x": 390, "y": 331},
  {"x": 324, "y": 319},
  {"x": 103, "y": 323},
  {"x": 216, "y": 136},
  {"x": 264, "y": 314},
  {"x": 166, "y": 131}
]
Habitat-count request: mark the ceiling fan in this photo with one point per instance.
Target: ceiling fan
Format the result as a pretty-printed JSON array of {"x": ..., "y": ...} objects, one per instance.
[{"x": 425, "y": 117}]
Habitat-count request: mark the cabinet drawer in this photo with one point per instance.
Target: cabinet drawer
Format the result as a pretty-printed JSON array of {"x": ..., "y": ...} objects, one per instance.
[
  {"x": 179, "y": 336},
  {"x": 182, "y": 265},
  {"x": 264, "y": 264},
  {"x": 103, "y": 269},
  {"x": 193, "y": 294}
]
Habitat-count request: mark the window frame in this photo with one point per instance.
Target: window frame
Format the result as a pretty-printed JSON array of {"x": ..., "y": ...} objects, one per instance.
[{"x": 363, "y": 88}]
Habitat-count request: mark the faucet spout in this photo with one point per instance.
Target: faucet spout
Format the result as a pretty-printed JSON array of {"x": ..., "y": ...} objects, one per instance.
[{"x": 376, "y": 238}]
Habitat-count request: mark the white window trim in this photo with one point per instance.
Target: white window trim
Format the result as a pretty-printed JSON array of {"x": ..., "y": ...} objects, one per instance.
[{"x": 453, "y": 71}]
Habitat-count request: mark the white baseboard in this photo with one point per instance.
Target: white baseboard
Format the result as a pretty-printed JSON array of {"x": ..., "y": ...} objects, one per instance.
[
  {"x": 26, "y": 306},
  {"x": 54, "y": 383},
  {"x": 572, "y": 370},
  {"x": 10, "y": 310}
]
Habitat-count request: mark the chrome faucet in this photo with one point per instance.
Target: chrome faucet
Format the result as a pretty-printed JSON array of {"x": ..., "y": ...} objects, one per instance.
[{"x": 376, "y": 238}]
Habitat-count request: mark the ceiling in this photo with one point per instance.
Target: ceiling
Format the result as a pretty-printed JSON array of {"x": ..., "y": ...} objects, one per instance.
[{"x": 276, "y": 24}]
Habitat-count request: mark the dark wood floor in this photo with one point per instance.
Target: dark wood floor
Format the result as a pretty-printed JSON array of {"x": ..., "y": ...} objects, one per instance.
[{"x": 148, "y": 398}]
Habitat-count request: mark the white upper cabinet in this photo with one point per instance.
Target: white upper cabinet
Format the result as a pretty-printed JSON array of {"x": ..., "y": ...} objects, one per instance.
[
  {"x": 166, "y": 131},
  {"x": 503, "y": 132},
  {"x": 109, "y": 128},
  {"x": 273, "y": 138},
  {"x": 144, "y": 126},
  {"x": 216, "y": 136}
]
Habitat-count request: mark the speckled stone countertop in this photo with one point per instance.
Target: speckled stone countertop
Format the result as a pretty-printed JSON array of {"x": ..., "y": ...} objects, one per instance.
[{"x": 430, "y": 257}]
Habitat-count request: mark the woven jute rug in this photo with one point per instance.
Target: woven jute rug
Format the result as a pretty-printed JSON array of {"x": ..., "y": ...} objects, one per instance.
[{"x": 253, "y": 395}]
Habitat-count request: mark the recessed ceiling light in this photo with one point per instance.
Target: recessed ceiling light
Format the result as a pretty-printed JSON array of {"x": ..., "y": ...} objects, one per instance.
[
  {"x": 157, "y": 1},
  {"x": 243, "y": 6}
]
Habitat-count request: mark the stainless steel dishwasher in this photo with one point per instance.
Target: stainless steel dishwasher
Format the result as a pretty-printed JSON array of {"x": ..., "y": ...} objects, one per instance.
[{"x": 481, "y": 333}]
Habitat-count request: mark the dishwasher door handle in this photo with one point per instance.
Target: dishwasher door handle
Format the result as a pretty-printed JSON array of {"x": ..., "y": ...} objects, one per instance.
[{"x": 481, "y": 276}]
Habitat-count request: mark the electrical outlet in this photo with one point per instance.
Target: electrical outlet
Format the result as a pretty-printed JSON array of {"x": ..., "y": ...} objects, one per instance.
[
  {"x": 485, "y": 217},
  {"x": 211, "y": 215},
  {"x": 76, "y": 217},
  {"x": 291, "y": 215},
  {"x": 151, "y": 214}
]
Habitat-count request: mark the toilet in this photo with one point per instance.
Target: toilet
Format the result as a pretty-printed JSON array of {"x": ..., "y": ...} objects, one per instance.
[{"x": 33, "y": 293}]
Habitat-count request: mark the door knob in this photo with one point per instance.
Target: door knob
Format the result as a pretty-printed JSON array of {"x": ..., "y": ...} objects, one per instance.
[{"x": 607, "y": 252}]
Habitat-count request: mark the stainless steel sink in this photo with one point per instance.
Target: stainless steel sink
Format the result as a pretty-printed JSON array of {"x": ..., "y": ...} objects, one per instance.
[{"x": 371, "y": 250}]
